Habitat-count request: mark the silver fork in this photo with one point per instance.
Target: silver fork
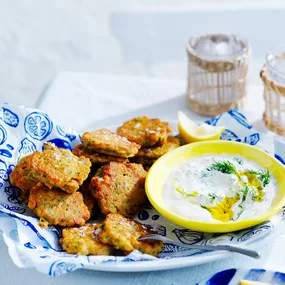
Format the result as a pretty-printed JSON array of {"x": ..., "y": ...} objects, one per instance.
[{"x": 241, "y": 250}]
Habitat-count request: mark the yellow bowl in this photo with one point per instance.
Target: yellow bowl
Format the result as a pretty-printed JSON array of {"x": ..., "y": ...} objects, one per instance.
[{"x": 163, "y": 166}]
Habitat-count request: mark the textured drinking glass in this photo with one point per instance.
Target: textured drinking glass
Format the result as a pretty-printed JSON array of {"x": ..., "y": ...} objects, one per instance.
[
  {"x": 273, "y": 76},
  {"x": 217, "y": 73}
]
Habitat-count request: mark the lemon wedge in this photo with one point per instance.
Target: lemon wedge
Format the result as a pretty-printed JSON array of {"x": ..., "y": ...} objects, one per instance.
[
  {"x": 246, "y": 282},
  {"x": 191, "y": 132}
]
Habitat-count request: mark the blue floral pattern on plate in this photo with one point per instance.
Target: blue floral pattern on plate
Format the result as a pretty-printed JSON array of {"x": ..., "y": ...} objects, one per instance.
[
  {"x": 61, "y": 143},
  {"x": 65, "y": 133},
  {"x": 253, "y": 139},
  {"x": 27, "y": 147},
  {"x": 3, "y": 134},
  {"x": 228, "y": 135},
  {"x": 213, "y": 121},
  {"x": 10, "y": 118},
  {"x": 18, "y": 140},
  {"x": 38, "y": 125},
  {"x": 60, "y": 267},
  {"x": 240, "y": 118}
]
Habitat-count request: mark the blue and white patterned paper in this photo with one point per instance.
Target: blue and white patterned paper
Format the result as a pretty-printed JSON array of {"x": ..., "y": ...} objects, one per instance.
[
  {"x": 24, "y": 130},
  {"x": 233, "y": 276}
]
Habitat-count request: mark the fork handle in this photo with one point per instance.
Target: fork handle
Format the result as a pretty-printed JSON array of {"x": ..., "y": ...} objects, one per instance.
[{"x": 241, "y": 250}]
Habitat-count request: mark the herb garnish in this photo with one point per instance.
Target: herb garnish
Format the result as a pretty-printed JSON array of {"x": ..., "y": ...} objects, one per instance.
[
  {"x": 242, "y": 209},
  {"x": 212, "y": 197},
  {"x": 244, "y": 193},
  {"x": 262, "y": 175},
  {"x": 223, "y": 166},
  {"x": 238, "y": 160}
]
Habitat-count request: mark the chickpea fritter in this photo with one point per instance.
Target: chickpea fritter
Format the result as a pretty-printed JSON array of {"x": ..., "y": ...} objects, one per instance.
[
  {"x": 88, "y": 198},
  {"x": 148, "y": 156},
  {"x": 158, "y": 151},
  {"x": 106, "y": 142},
  {"x": 84, "y": 241},
  {"x": 119, "y": 188},
  {"x": 56, "y": 207},
  {"x": 21, "y": 176},
  {"x": 123, "y": 233},
  {"x": 60, "y": 168},
  {"x": 95, "y": 157},
  {"x": 144, "y": 131}
]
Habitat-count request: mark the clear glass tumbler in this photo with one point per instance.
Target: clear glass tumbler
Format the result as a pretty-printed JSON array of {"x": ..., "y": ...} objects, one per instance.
[
  {"x": 273, "y": 76},
  {"x": 217, "y": 73}
]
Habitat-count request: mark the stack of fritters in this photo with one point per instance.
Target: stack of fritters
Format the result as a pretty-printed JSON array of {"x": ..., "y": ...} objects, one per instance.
[
  {"x": 152, "y": 136},
  {"x": 49, "y": 181},
  {"x": 60, "y": 188},
  {"x": 118, "y": 186},
  {"x": 103, "y": 146}
]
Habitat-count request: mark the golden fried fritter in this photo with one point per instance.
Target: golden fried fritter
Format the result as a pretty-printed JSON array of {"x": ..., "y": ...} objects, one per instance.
[
  {"x": 95, "y": 157},
  {"x": 158, "y": 151},
  {"x": 56, "y": 207},
  {"x": 148, "y": 156},
  {"x": 21, "y": 176},
  {"x": 119, "y": 188},
  {"x": 122, "y": 233},
  {"x": 83, "y": 240},
  {"x": 60, "y": 168},
  {"x": 144, "y": 131},
  {"x": 88, "y": 198},
  {"x": 106, "y": 142}
]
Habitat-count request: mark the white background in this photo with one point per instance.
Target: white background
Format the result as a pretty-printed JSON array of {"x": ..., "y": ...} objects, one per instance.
[{"x": 138, "y": 37}]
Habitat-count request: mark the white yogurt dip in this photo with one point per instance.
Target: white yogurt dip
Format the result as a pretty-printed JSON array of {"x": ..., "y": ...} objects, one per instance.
[{"x": 221, "y": 188}]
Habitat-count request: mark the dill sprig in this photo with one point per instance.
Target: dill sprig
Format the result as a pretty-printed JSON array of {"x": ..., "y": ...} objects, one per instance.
[
  {"x": 241, "y": 206},
  {"x": 244, "y": 193},
  {"x": 212, "y": 197},
  {"x": 262, "y": 175},
  {"x": 242, "y": 209},
  {"x": 223, "y": 166},
  {"x": 238, "y": 160}
]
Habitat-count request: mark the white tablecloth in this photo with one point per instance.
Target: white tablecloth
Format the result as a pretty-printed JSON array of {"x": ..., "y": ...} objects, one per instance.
[{"x": 89, "y": 101}]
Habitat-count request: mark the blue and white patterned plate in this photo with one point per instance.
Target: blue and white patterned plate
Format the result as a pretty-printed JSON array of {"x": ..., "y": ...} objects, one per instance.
[
  {"x": 24, "y": 130},
  {"x": 233, "y": 277}
]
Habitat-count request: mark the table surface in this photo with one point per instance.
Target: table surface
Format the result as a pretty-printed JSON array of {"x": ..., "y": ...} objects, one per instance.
[{"x": 89, "y": 101}]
